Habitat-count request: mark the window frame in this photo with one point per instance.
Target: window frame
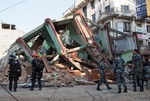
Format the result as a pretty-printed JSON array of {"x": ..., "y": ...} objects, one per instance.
[
  {"x": 148, "y": 28},
  {"x": 93, "y": 4},
  {"x": 126, "y": 26}
]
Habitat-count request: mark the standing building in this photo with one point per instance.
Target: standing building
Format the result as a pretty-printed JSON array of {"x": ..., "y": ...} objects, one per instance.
[
  {"x": 116, "y": 14},
  {"x": 8, "y": 35}
]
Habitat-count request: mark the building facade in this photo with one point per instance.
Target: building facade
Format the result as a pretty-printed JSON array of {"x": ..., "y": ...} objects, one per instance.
[
  {"x": 8, "y": 35},
  {"x": 116, "y": 14}
]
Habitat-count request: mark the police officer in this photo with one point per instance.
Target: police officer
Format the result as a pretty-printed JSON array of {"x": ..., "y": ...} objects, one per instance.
[
  {"x": 37, "y": 71},
  {"x": 137, "y": 71},
  {"x": 103, "y": 77},
  {"x": 118, "y": 65},
  {"x": 14, "y": 72}
]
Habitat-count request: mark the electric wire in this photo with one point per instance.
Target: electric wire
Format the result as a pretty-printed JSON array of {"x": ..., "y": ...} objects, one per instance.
[{"x": 12, "y": 6}]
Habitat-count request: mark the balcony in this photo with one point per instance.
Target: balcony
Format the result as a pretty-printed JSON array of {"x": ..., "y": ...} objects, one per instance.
[
  {"x": 124, "y": 12},
  {"x": 80, "y": 3},
  {"x": 117, "y": 11}
]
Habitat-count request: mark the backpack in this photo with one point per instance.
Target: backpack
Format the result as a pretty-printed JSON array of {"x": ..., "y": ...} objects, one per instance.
[{"x": 39, "y": 65}]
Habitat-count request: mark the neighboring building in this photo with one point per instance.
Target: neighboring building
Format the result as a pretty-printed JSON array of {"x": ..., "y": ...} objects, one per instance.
[
  {"x": 8, "y": 35},
  {"x": 116, "y": 14}
]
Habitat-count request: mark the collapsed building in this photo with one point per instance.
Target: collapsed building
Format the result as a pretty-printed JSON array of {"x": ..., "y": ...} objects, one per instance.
[{"x": 69, "y": 48}]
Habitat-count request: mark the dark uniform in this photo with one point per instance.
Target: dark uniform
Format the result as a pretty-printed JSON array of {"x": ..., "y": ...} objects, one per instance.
[
  {"x": 37, "y": 72},
  {"x": 102, "y": 78},
  {"x": 118, "y": 64},
  {"x": 137, "y": 72},
  {"x": 14, "y": 73}
]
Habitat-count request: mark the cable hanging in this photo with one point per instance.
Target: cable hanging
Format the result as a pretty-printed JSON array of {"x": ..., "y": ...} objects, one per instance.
[{"x": 12, "y": 6}]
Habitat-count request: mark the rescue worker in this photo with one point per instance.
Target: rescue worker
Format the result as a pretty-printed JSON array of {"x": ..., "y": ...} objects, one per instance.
[
  {"x": 103, "y": 77},
  {"x": 14, "y": 72},
  {"x": 37, "y": 71},
  {"x": 137, "y": 70},
  {"x": 119, "y": 66}
]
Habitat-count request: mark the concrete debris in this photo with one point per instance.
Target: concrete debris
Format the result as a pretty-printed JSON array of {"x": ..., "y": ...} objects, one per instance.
[{"x": 68, "y": 50}]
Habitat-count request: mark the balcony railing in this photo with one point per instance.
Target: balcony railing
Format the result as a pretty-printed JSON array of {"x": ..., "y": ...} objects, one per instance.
[{"x": 119, "y": 11}]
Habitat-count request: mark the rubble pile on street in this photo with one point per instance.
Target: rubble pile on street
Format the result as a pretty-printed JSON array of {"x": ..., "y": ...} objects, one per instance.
[{"x": 68, "y": 50}]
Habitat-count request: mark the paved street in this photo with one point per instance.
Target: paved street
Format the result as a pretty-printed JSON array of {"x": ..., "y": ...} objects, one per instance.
[{"x": 77, "y": 93}]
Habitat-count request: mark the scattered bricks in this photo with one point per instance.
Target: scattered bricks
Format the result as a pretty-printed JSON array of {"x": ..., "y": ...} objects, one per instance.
[
  {"x": 23, "y": 77},
  {"x": 76, "y": 73},
  {"x": 92, "y": 74},
  {"x": 29, "y": 70}
]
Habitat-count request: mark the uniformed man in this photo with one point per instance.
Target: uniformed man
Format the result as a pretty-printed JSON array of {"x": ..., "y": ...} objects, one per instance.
[
  {"x": 14, "y": 72},
  {"x": 145, "y": 71},
  {"x": 137, "y": 70},
  {"x": 103, "y": 77},
  {"x": 37, "y": 71},
  {"x": 119, "y": 66}
]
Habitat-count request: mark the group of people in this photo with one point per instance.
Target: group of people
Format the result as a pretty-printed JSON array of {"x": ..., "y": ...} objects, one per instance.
[
  {"x": 14, "y": 72},
  {"x": 119, "y": 68}
]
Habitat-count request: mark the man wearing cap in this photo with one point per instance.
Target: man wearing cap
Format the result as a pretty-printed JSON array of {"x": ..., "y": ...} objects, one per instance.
[
  {"x": 119, "y": 66},
  {"x": 137, "y": 70}
]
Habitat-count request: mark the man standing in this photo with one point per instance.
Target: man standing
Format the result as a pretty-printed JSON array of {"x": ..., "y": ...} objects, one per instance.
[
  {"x": 103, "y": 77},
  {"x": 14, "y": 72},
  {"x": 37, "y": 71},
  {"x": 137, "y": 70},
  {"x": 118, "y": 64}
]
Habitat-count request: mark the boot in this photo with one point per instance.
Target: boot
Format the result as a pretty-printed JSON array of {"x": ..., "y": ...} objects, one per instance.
[
  {"x": 108, "y": 87},
  {"x": 134, "y": 89},
  {"x": 119, "y": 91},
  {"x": 40, "y": 88},
  {"x": 141, "y": 89},
  {"x": 98, "y": 85},
  {"x": 31, "y": 89},
  {"x": 10, "y": 89},
  {"x": 125, "y": 89},
  {"x": 98, "y": 89},
  {"x": 15, "y": 90}
]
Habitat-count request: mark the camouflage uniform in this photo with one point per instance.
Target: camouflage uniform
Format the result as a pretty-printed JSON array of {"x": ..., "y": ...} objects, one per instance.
[
  {"x": 137, "y": 73},
  {"x": 103, "y": 78},
  {"x": 118, "y": 64}
]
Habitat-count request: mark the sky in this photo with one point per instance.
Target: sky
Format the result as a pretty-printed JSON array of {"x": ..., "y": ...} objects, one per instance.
[{"x": 31, "y": 13}]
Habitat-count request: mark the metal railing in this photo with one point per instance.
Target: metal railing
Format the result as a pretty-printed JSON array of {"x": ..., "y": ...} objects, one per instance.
[{"x": 117, "y": 10}]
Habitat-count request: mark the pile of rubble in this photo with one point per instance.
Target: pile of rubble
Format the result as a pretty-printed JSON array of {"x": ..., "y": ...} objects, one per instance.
[{"x": 68, "y": 50}]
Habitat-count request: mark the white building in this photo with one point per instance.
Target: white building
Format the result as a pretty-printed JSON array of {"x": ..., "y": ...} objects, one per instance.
[
  {"x": 116, "y": 14},
  {"x": 8, "y": 35}
]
